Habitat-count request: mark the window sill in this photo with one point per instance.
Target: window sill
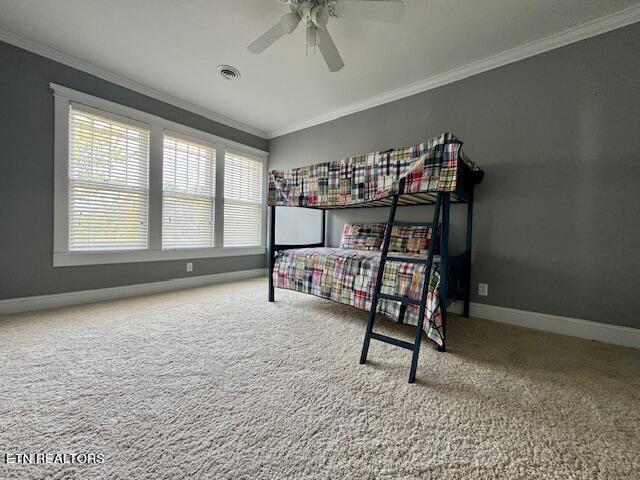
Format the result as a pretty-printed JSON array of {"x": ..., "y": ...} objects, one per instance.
[{"x": 102, "y": 258}]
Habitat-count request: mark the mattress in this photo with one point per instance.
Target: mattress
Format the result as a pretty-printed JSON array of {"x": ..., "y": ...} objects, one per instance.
[
  {"x": 348, "y": 276},
  {"x": 437, "y": 165}
]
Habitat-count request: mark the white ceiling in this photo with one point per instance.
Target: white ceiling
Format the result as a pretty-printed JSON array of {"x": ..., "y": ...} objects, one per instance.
[{"x": 175, "y": 46}]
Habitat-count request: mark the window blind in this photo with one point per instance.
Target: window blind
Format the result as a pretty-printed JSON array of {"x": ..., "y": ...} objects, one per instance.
[
  {"x": 108, "y": 183},
  {"x": 188, "y": 200},
  {"x": 242, "y": 201}
]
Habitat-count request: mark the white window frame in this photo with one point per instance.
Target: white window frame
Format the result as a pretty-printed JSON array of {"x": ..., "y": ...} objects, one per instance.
[
  {"x": 263, "y": 229},
  {"x": 214, "y": 146},
  {"x": 64, "y": 98}
]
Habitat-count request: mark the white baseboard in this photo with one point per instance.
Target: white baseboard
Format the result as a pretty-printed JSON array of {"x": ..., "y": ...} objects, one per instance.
[
  {"x": 573, "y": 327},
  {"x": 41, "y": 302}
]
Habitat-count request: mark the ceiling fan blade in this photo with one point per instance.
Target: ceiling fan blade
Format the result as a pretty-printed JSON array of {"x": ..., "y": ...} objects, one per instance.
[
  {"x": 266, "y": 40},
  {"x": 287, "y": 24},
  {"x": 329, "y": 51},
  {"x": 374, "y": 10}
]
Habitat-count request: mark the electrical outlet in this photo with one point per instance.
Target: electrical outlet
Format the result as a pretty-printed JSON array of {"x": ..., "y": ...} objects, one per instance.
[
  {"x": 483, "y": 289},
  {"x": 189, "y": 266}
]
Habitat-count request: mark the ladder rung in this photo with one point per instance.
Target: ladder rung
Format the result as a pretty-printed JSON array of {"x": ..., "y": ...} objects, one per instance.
[
  {"x": 406, "y": 259},
  {"x": 412, "y": 224},
  {"x": 393, "y": 341},
  {"x": 395, "y": 298}
]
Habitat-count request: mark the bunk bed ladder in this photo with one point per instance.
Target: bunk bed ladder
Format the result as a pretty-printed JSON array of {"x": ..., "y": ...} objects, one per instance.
[{"x": 428, "y": 262}]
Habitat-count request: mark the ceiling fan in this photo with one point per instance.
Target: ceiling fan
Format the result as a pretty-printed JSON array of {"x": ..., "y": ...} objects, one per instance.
[{"x": 316, "y": 15}]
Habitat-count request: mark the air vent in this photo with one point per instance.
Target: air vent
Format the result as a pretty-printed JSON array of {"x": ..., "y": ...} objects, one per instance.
[{"x": 228, "y": 72}]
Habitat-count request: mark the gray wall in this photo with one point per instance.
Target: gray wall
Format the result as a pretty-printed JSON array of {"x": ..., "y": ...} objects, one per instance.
[
  {"x": 26, "y": 181},
  {"x": 557, "y": 217}
]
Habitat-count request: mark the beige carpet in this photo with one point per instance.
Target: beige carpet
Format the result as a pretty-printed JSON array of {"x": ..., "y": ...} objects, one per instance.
[{"x": 216, "y": 383}]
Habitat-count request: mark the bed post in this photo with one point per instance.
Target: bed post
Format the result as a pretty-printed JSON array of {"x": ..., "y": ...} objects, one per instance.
[
  {"x": 324, "y": 227},
  {"x": 444, "y": 267},
  {"x": 467, "y": 279},
  {"x": 272, "y": 244}
]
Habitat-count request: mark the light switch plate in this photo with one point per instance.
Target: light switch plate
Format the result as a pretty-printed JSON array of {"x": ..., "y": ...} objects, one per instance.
[{"x": 483, "y": 289}]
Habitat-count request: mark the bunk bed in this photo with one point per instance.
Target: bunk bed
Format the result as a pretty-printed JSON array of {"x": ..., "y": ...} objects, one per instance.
[{"x": 402, "y": 270}]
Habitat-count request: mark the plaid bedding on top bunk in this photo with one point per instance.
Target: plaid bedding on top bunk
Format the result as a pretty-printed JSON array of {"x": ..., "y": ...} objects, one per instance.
[
  {"x": 431, "y": 166},
  {"x": 349, "y": 277}
]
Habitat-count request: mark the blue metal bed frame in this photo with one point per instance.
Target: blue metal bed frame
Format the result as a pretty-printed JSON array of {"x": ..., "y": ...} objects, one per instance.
[{"x": 455, "y": 271}]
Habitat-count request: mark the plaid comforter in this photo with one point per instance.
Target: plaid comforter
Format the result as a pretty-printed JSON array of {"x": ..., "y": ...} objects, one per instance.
[
  {"x": 348, "y": 276},
  {"x": 431, "y": 166}
]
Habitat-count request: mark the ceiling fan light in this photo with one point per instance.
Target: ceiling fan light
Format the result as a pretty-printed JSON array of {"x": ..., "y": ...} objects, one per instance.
[{"x": 311, "y": 37}]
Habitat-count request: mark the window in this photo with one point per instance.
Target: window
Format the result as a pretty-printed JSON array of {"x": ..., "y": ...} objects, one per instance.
[
  {"x": 108, "y": 183},
  {"x": 188, "y": 200},
  {"x": 242, "y": 201},
  {"x": 134, "y": 187}
]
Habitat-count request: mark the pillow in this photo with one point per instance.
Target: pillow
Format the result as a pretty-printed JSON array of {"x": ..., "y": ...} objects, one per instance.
[
  {"x": 410, "y": 240},
  {"x": 362, "y": 236}
]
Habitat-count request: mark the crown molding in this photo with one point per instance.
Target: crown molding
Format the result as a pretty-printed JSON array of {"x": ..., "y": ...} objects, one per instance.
[
  {"x": 78, "y": 64},
  {"x": 586, "y": 30}
]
